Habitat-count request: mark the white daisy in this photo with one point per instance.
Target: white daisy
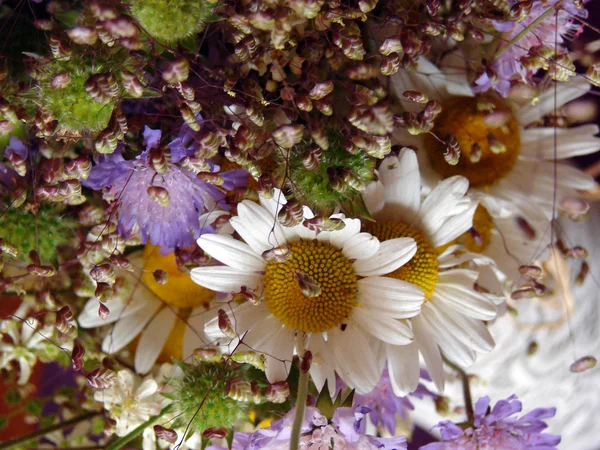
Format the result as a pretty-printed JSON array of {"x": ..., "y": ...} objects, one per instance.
[
  {"x": 169, "y": 318},
  {"x": 510, "y": 165},
  {"x": 453, "y": 313},
  {"x": 329, "y": 291}
]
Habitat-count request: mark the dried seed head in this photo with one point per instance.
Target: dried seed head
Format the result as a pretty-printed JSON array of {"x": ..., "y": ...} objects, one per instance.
[
  {"x": 531, "y": 271},
  {"x": 102, "y": 87},
  {"x": 176, "y": 71},
  {"x": 452, "y": 150},
  {"x": 308, "y": 285},
  {"x": 277, "y": 254},
  {"x": 214, "y": 433},
  {"x": 77, "y": 356},
  {"x": 522, "y": 293},
  {"x": 101, "y": 378},
  {"x": 160, "y": 159},
  {"x": 103, "y": 273},
  {"x": 320, "y": 90},
  {"x": 288, "y": 135},
  {"x": 277, "y": 392},
  {"x": 60, "y": 81},
  {"x": 132, "y": 84},
  {"x": 166, "y": 434},
  {"x": 159, "y": 195},
  {"x": 225, "y": 324},
  {"x": 583, "y": 364},
  {"x": 239, "y": 389},
  {"x": 103, "y": 311},
  {"x": 83, "y": 35}
]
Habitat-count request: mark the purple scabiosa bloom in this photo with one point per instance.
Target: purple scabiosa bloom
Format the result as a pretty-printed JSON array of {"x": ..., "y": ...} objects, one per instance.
[
  {"x": 345, "y": 430},
  {"x": 508, "y": 67},
  {"x": 384, "y": 405},
  {"x": 496, "y": 429},
  {"x": 10, "y": 179},
  {"x": 162, "y": 208}
]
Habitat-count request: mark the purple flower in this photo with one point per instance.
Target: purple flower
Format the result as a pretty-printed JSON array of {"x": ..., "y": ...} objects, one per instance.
[
  {"x": 508, "y": 67},
  {"x": 496, "y": 429},
  {"x": 345, "y": 430},
  {"x": 10, "y": 180},
  {"x": 172, "y": 222}
]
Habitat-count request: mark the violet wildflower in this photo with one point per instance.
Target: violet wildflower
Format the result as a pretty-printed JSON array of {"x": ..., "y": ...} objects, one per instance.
[
  {"x": 385, "y": 405},
  {"x": 345, "y": 430},
  {"x": 162, "y": 207},
  {"x": 495, "y": 429},
  {"x": 550, "y": 32}
]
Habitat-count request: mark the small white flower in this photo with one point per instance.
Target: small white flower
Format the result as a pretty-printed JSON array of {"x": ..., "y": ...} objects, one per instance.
[{"x": 130, "y": 401}]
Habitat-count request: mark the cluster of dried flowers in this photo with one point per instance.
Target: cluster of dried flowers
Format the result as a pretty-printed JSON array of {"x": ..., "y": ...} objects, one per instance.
[{"x": 212, "y": 211}]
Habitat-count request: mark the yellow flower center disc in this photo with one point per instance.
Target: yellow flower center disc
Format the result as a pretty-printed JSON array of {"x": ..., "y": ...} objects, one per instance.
[
  {"x": 314, "y": 290},
  {"x": 179, "y": 291},
  {"x": 422, "y": 269},
  {"x": 488, "y": 136},
  {"x": 478, "y": 238}
]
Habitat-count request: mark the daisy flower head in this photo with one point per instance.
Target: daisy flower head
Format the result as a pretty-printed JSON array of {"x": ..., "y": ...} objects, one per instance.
[
  {"x": 161, "y": 200},
  {"x": 515, "y": 170},
  {"x": 495, "y": 429},
  {"x": 452, "y": 316},
  {"x": 327, "y": 287},
  {"x": 168, "y": 318}
]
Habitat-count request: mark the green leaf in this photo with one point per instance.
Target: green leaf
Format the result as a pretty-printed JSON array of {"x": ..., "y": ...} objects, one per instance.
[
  {"x": 35, "y": 407},
  {"x": 13, "y": 397},
  {"x": 3, "y": 422},
  {"x": 98, "y": 425}
]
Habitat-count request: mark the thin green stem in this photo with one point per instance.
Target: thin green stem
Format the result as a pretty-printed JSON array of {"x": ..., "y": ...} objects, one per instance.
[
  {"x": 526, "y": 30},
  {"x": 44, "y": 431},
  {"x": 300, "y": 408},
  {"x": 466, "y": 390}
]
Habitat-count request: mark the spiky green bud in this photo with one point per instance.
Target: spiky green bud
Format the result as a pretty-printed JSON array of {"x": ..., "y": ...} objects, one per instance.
[
  {"x": 203, "y": 388},
  {"x": 74, "y": 104},
  {"x": 43, "y": 232},
  {"x": 336, "y": 180},
  {"x": 172, "y": 21}
]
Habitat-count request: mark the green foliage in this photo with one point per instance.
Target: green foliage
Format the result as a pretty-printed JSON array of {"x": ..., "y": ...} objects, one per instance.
[
  {"x": 13, "y": 397},
  {"x": 35, "y": 407},
  {"x": 314, "y": 188},
  {"x": 71, "y": 105},
  {"x": 171, "y": 21},
  {"x": 202, "y": 390},
  {"x": 49, "y": 228}
]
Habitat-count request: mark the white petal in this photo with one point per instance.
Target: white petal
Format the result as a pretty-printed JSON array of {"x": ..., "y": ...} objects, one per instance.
[
  {"x": 146, "y": 389},
  {"x": 430, "y": 351},
  {"x": 383, "y": 327},
  {"x": 354, "y": 358},
  {"x": 361, "y": 245},
  {"x": 225, "y": 279},
  {"x": 392, "y": 254},
  {"x": 447, "y": 199},
  {"x": 352, "y": 228},
  {"x": 403, "y": 367},
  {"x": 455, "y": 289},
  {"x": 538, "y": 143},
  {"x": 257, "y": 227},
  {"x": 194, "y": 336},
  {"x": 374, "y": 197},
  {"x": 453, "y": 227},
  {"x": 396, "y": 298},
  {"x": 126, "y": 329},
  {"x": 472, "y": 333},
  {"x": 231, "y": 252},
  {"x": 402, "y": 182},
  {"x": 279, "y": 356},
  {"x": 153, "y": 340},
  {"x": 450, "y": 346},
  {"x": 546, "y": 102}
]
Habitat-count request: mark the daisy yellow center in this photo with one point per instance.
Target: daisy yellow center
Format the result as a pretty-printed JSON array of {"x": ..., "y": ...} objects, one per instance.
[
  {"x": 179, "y": 291},
  {"x": 488, "y": 136},
  {"x": 478, "y": 238},
  {"x": 313, "y": 290},
  {"x": 422, "y": 269}
]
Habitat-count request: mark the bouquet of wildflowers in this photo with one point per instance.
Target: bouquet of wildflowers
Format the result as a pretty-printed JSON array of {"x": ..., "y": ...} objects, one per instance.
[{"x": 298, "y": 224}]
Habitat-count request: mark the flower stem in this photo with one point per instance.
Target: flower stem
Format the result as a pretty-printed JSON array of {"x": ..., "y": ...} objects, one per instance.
[
  {"x": 525, "y": 30},
  {"x": 44, "y": 431},
  {"x": 466, "y": 390},
  {"x": 300, "y": 408}
]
